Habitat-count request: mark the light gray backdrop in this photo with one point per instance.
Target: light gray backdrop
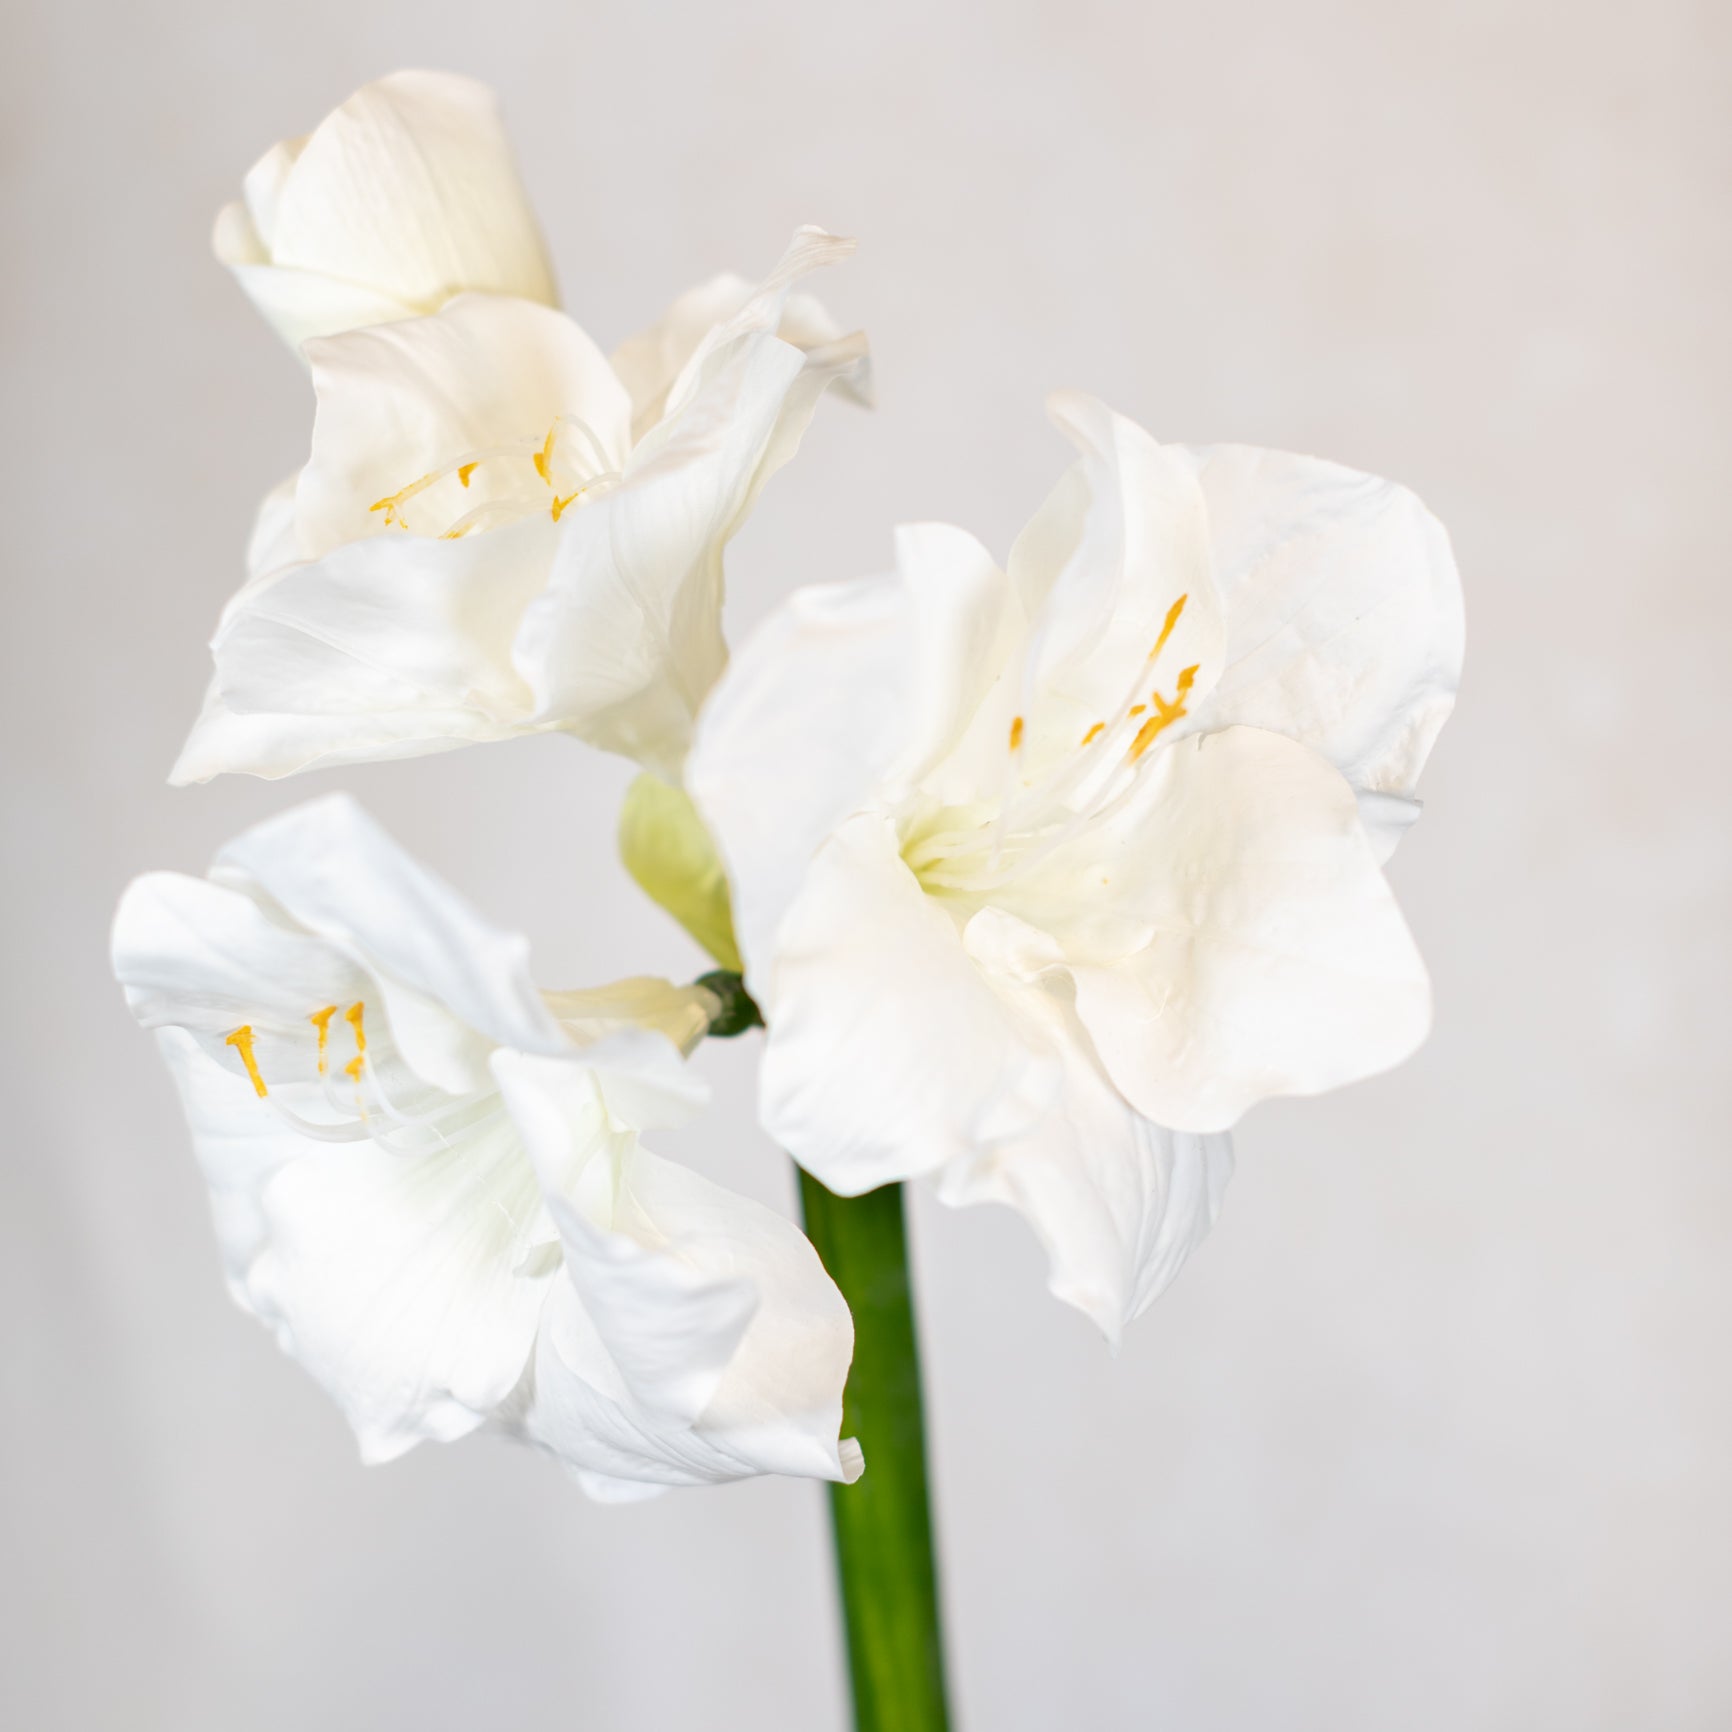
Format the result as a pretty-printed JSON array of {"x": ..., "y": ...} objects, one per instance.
[{"x": 1434, "y": 1433}]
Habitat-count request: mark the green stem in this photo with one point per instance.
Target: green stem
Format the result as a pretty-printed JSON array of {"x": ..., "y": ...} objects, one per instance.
[{"x": 883, "y": 1525}]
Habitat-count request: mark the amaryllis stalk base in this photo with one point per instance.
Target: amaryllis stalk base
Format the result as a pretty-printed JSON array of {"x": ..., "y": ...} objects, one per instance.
[{"x": 885, "y": 1560}]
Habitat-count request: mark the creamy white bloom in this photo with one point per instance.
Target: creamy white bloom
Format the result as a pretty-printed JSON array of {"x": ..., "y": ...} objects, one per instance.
[
  {"x": 428, "y": 1179},
  {"x": 498, "y": 531},
  {"x": 402, "y": 198},
  {"x": 1043, "y": 877}
]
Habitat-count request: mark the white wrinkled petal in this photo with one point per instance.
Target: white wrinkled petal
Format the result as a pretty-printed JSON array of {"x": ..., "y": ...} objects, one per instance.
[
  {"x": 1100, "y": 568},
  {"x": 1118, "y": 1201},
  {"x": 1274, "y": 959},
  {"x": 403, "y": 197},
  {"x": 1344, "y": 614}
]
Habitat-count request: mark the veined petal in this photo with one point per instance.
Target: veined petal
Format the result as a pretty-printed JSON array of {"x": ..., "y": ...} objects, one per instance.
[
  {"x": 402, "y": 401},
  {"x": 393, "y": 1278},
  {"x": 1344, "y": 616},
  {"x": 1272, "y": 958},
  {"x": 403, "y": 197},
  {"x": 794, "y": 740},
  {"x": 888, "y": 1054},
  {"x": 1118, "y": 1201},
  {"x": 389, "y": 647}
]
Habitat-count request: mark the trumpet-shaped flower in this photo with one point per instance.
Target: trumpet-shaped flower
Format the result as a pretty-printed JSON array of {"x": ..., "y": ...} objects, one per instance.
[
  {"x": 428, "y": 1179},
  {"x": 1042, "y": 877},
  {"x": 498, "y": 531},
  {"x": 402, "y": 198}
]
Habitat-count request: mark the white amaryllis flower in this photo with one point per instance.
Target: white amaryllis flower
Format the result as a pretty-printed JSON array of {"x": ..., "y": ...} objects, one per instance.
[
  {"x": 428, "y": 1179},
  {"x": 402, "y": 198},
  {"x": 498, "y": 531},
  {"x": 1043, "y": 878}
]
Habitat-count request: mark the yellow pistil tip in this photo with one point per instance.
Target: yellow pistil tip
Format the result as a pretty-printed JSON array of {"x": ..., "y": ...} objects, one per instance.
[{"x": 242, "y": 1041}]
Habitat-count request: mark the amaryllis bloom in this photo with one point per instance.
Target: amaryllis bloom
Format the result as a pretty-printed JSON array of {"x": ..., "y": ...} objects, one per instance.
[
  {"x": 428, "y": 1178},
  {"x": 1042, "y": 877},
  {"x": 402, "y": 198},
  {"x": 498, "y": 531}
]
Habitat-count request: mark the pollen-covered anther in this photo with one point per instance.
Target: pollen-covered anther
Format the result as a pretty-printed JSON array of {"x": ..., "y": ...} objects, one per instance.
[
  {"x": 353, "y": 1017},
  {"x": 1093, "y": 734},
  {"x": 1015, "y": 732},
  {"x": 242, "y": 1041},
  {"x": 321, "y": 1020},
  {"x": 544, "y": 457},
  {"x": 1168, "y": 624},
  {"x": 1165, "y": 714},
  {"x": 559, "y": 504}
]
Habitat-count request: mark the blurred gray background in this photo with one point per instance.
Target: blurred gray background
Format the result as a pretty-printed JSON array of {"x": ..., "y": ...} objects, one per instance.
[{"x": 1436, "y": 1432}]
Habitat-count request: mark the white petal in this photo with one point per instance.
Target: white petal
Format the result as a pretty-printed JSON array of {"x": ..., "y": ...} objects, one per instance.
[
  {"x": 794, "y": 739},
  {"x": 392, "y": 1278},
  {"x": 1118, "y": 1201},
  {"x": 887, "y": 1054},
  {"x": 1270, "y": 957},
  {"x": 1119, "y": 549},
  {"x": 405, "y": 196},
  {"x": 649, "y": 361},
  {"x": 400, "y": 401},
  {"x": 452, "y": 981},
  {"x": 1344, "y": 614},
  {"x": 626, "y": 642},
  {"x": 389, "y": 647},
  {"x": 695, "y": 1336}
]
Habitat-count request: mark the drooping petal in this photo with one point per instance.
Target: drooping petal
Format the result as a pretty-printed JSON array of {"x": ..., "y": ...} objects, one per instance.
[
  {"x": 398, "y": 402},
  {"x": 1230, "y": 933},
  {"x": 453, "y": 984},
  {"x": 390, "y": 647},
  {"x": 649, "y": 361},
  {"x": 888, "y": 1054},
  {"x": 1344, "y": 617},
  {"x": 403, "y": 197},
  {"x": 795, "y": 739},
  {"x": 694, "y": 1336},
  {"x": 1118, "y": 1201},
  {"x": 1114, "y": 572}
]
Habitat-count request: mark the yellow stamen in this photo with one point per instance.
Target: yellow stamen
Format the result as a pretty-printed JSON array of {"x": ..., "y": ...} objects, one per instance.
[
  {"x": 1137, "y": 709},
  {"x": 321, "y": 1020},
  {"x": 1015, "y": 732},
  {"x": 1165, "y": 714},
  {"x": 465, "y": 470},
  {"x": 352, "y": 1016},
  {"x": 1098, "y": 728},
  {"x": 560, "y": 504},
  {"x": 544, "y": 456},
  {"x": 242, "y": 1041},
  {"x": 1172, "y": 620}
]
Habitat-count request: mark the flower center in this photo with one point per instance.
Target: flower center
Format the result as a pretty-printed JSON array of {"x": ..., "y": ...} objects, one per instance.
[
  {"x": 973, "y": 852},
  {"x": 371, "y": 1115},
  {"x": 519, "y": 478}
]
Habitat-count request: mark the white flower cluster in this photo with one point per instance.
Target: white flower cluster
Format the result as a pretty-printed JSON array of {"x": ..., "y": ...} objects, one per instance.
[{"x": 1041, "y": 876}]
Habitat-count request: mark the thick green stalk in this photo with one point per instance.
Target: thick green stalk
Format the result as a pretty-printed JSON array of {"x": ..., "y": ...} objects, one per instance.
[{"x": 883, "y": 1525}]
